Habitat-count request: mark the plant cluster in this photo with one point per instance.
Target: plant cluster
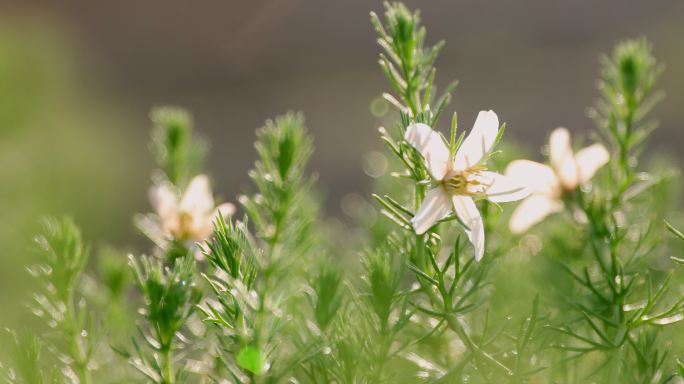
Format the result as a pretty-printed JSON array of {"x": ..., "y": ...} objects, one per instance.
[{"x": 453, "y": 284}]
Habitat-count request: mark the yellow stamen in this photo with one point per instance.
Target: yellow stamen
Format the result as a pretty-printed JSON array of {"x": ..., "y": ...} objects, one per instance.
[
  {"x": 185, "y": 222},
  {"x": 456, "y": 183},
  {"x": 463, "y": 182}
]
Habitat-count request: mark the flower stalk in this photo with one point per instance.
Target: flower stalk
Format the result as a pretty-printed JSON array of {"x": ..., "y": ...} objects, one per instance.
[{"x": 458, "y": 171}]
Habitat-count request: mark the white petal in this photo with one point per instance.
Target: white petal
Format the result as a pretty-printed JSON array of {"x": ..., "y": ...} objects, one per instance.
[
  {"x": 479, "y": 142},
  {"x": 197, "y": 198},
  {"x": 538, "y": 177},
  {"x": 430, "y": 144},
  {"x": 590, "y": 159},
  {"x": 199, "y": 256},
  {"x": 164, "y": 201},
  {"x": 531, "y": 211},
  {"x": 201, "y": 229},
  {"x": 500, "y": 188},
  {"x": 562, "y": 159},
  {"x": 467, "y": 211},
  {"x": 226, "y": 209},
  {"x": 203, "y": 226},
  {"x": 436, "y": 206},
  {"x": 559, "y": 145}
]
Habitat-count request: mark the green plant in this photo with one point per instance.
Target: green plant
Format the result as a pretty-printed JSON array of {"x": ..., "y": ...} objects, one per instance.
[{"x": 447, "y": 284}]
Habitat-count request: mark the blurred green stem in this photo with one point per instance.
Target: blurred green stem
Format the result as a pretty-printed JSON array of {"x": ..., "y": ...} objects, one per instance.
[
  {"x": 260, "y": 323},
  {"x": 79, "y": 355},
  {"x": 167, "y": 366},
  {"x": 385, "y": 343},
  {"x": 455, "y": 325}
]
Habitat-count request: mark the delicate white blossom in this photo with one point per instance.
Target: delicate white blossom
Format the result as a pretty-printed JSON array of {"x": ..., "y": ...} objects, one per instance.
[
  {"x": 461, "y": 179},
  {"x": 187, "y": 217},
  {"x": 567, "y": 170}
]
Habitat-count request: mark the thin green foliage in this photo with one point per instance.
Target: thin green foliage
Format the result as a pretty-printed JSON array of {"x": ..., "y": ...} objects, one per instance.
[
  {"x": 257, "y": 277},
  {"x": 448, "y": 288},
  {"x": 27, "y": 350},
  {"x": 178, "y": 151},
  {"x": 625, "y": 303},
  {"x": 169, "y": 298},
  {"x": 72, "y": 333},
  {"x": 267, "y": 295}
]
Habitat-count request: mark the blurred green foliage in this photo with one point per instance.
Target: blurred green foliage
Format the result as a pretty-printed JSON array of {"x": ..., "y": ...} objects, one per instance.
[{"x": 52, "y": 161}]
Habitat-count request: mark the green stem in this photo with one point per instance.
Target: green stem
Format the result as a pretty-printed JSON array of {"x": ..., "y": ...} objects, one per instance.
[
  {"x": 83, "y": 371},
  {"x": 260, "y": 322},
  {"x": 168, "y": 376},
  {"x": 420, "y": 239},
  {"x": 455, "y": 325},
  {"x": 623, "y": 150},
  {"x": 378, "y": 374},
  {"x": 74, "y": 331}
]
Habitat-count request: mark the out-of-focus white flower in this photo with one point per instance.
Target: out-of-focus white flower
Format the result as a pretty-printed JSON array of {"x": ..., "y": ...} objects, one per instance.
[
  {"x": 187, "y": 217},
  {"x": 462, "y": 178},
  {"x": 567, "y": 170}
]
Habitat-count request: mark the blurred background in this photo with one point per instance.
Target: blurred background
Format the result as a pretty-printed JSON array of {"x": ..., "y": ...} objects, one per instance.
[{"x": 78, "y": 77}]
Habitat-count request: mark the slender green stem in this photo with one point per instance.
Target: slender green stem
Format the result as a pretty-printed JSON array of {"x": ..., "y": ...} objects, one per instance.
[
  {"x": 260, "y": 323},
  {"x": 383, "y": 353},
  {"x": 420, "y": 239},
  {"x": 82, "y": 367},
  {"x": 77, "y": 353},
  {"x": 445, "y": 302},
  {"x": 455, "y": 325},
  {"x": 168, "y": 376}
]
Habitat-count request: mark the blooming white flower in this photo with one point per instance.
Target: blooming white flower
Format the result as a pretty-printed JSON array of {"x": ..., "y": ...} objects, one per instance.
[
  {"x": 548, "y": 182},
  {"x": 187, "y": 217},
  {"x": 461, "y": 178}
]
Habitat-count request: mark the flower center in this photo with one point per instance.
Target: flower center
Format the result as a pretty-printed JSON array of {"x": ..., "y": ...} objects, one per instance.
[
  {"x": 185, "y": 222},
  {"x": 456, "y": 183}
]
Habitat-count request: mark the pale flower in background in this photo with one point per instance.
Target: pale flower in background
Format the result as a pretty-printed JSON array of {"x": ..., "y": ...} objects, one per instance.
[
  {"x": 548, "y": 182},
  {"x": 462, "y": 178},
  {"x": 188, "y": 217}
]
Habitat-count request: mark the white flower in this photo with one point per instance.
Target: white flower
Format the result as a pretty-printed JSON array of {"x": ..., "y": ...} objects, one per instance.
[
  {"x": 461, "y": 178},
  {"x": 548, "y": 182},
  {"x": 190, "y": 216}
]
